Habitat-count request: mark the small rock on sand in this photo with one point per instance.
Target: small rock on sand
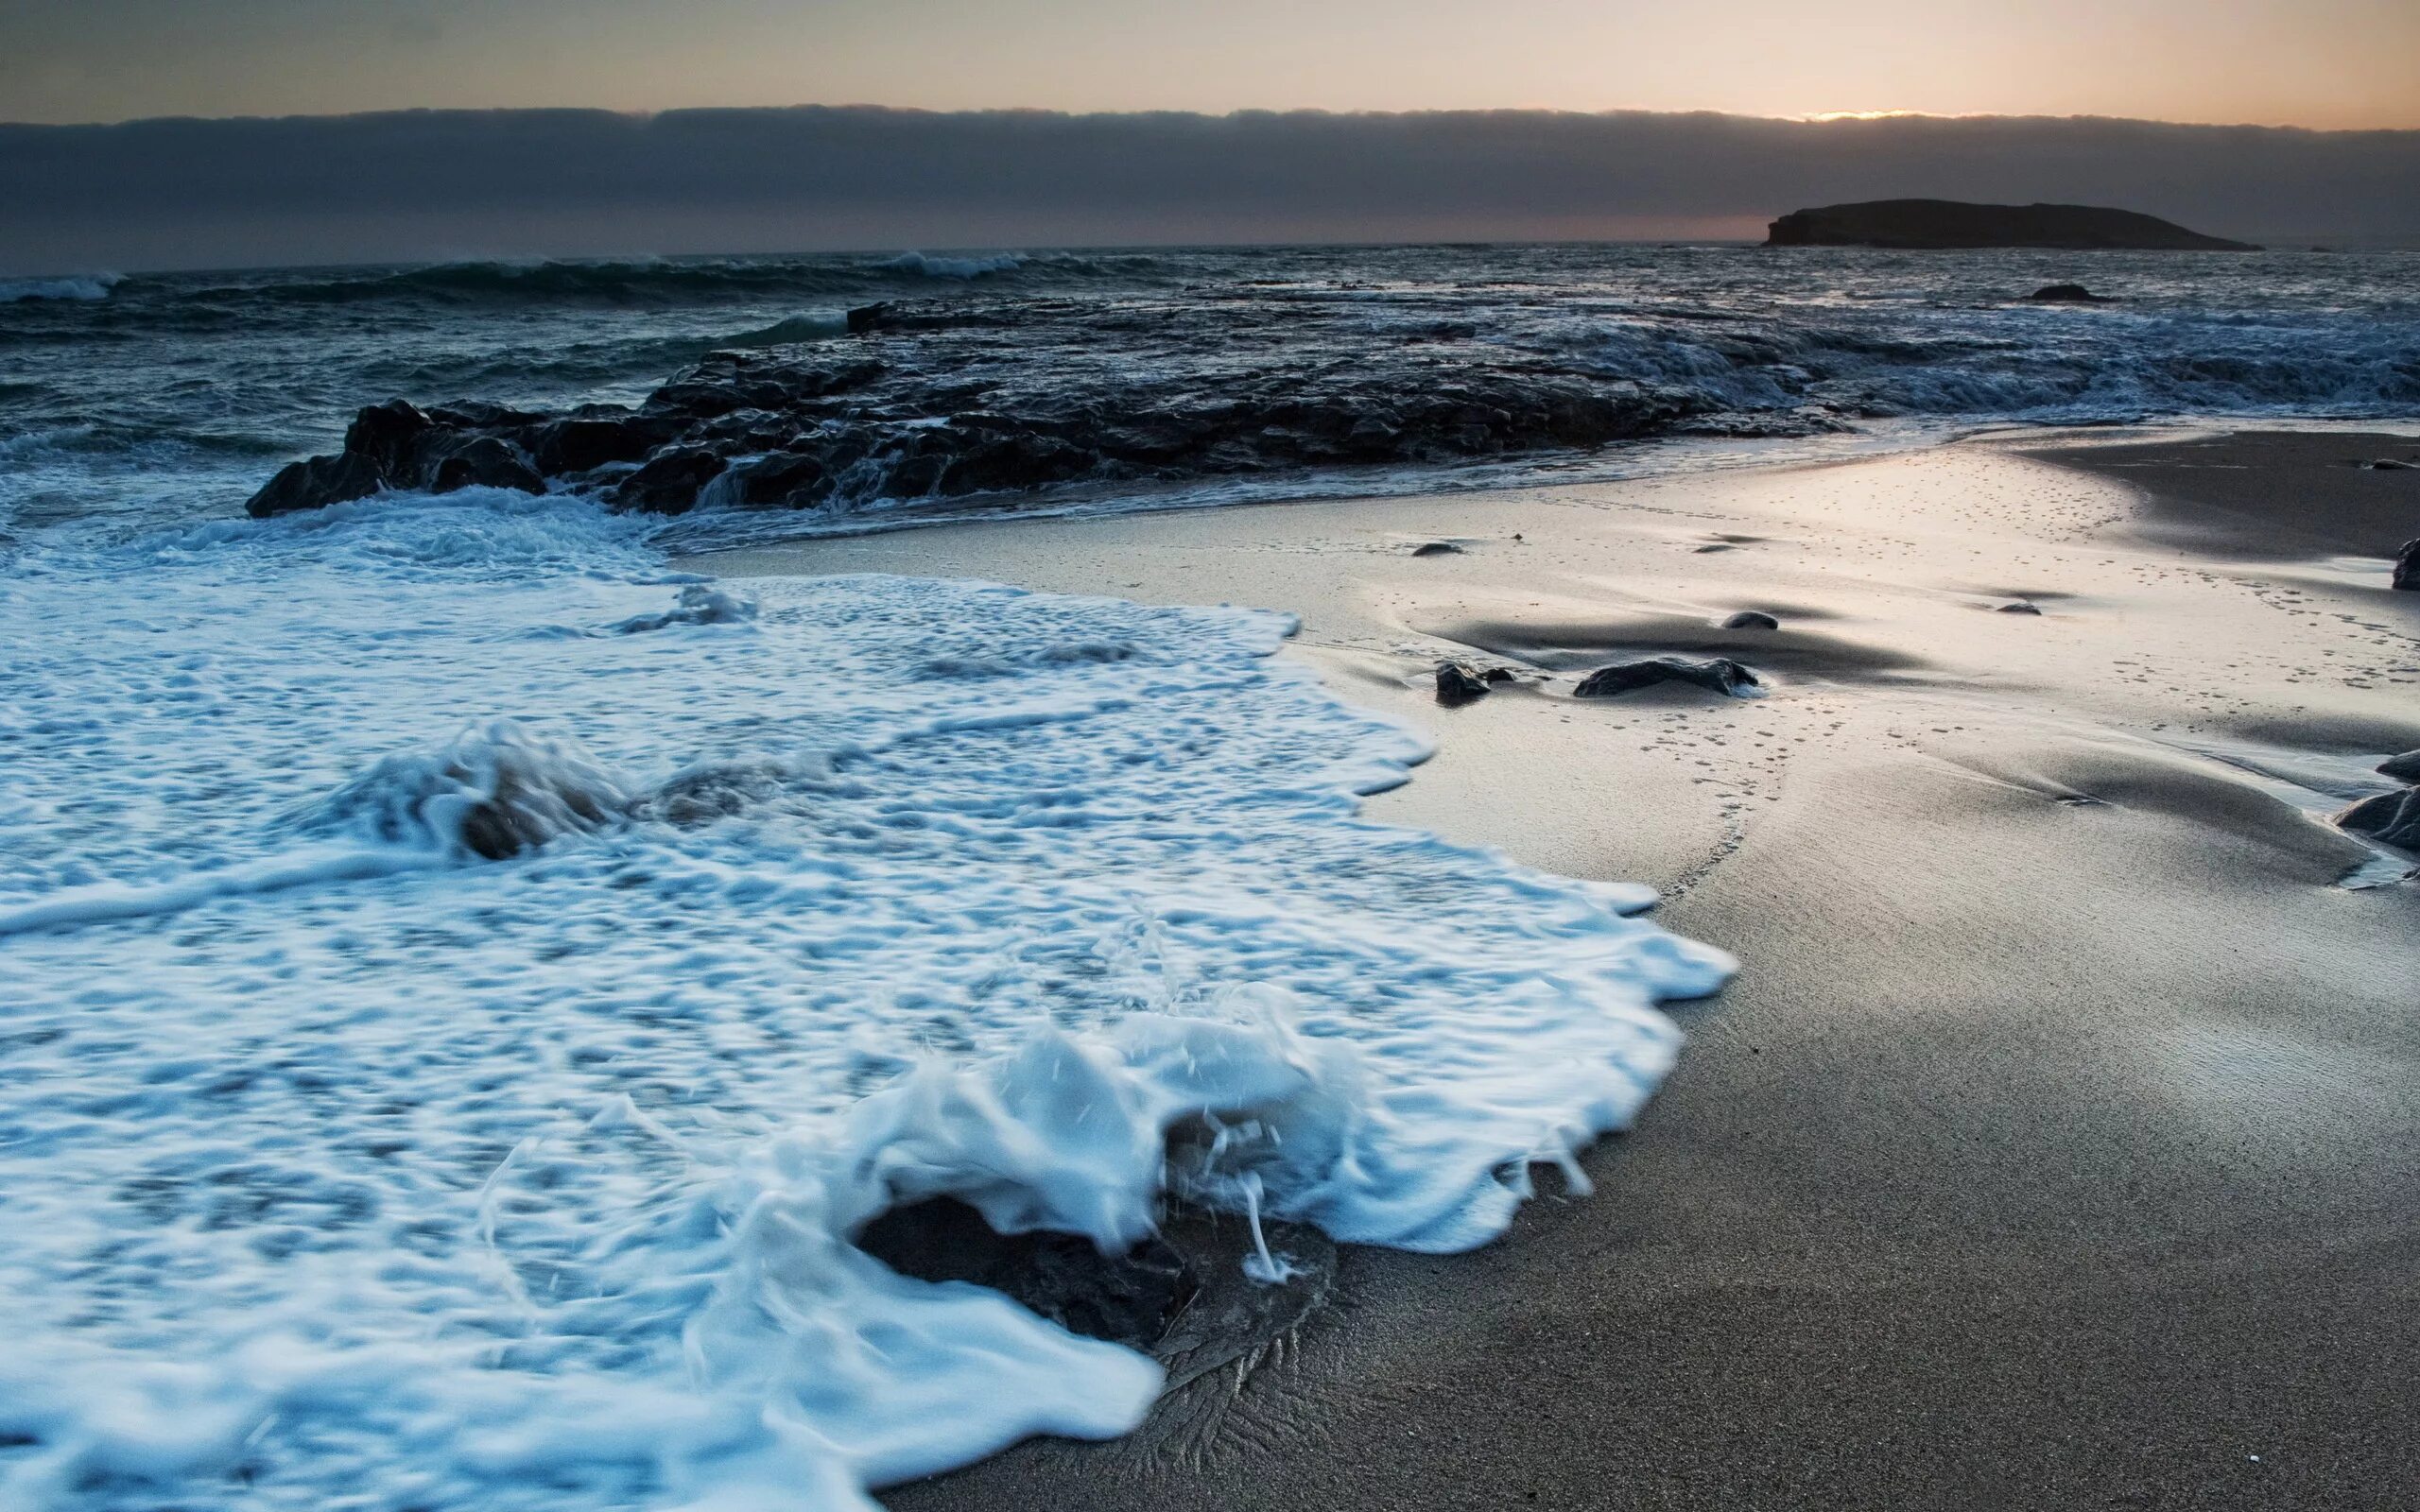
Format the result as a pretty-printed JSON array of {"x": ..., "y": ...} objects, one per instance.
[
  {"x": 1436, "y": 548},
  {"x": 2391, "y": 818},
  {"x": 1751, "y": 619},
  {"x": 1458, "y": 684},
  {"x": 1722, "y": 675},
  {"x": 2018, "y": 608}
]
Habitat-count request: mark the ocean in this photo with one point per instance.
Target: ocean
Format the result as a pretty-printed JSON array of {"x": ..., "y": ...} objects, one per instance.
[{"x": 469, "y": 979}]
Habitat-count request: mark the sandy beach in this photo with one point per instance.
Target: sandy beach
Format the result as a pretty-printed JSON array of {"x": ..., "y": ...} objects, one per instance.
[{"x": 2058, "y": 1143}]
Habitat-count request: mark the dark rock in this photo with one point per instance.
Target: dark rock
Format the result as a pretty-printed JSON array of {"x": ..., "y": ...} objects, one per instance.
[
  {"x": 2407, "y": 565},
  {"x": 487, "y": 463},
  {"x": 1500, "y": 675},
  {"x": 385, "y": 436},
  {"x": 1458, "y": 684},
  {"x": 670, "y": 481},
  {"x": 1128, "y": 1299},
  {"x": 2392, "y": 818},
  {"x": 315, "y": 483},
  {"x": 1751, "y": 619},
  {"x": 2067, "y": 294},
  {"x": 1721, "y": 675},
  {"x": 2388, "y": 464},
  {"x": 1924, "y": 223},
  {"x": 585, "y": 442},
  {"x": 2019, "y": 607},
  {"x": 1436, "y": 548},
  {"x": 2403, "y": 768},
  {"x": 866, "y": 318}
]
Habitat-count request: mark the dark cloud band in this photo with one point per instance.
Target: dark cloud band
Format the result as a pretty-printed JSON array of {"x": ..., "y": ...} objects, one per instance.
[{"x": 416, "y": 184}]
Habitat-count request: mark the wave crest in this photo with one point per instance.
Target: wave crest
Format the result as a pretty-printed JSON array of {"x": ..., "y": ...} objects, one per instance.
[{"x": 85, "y": 286}]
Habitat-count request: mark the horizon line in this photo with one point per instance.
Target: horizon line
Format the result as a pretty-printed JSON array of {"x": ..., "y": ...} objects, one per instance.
[{"x": 1819, "y": 118}]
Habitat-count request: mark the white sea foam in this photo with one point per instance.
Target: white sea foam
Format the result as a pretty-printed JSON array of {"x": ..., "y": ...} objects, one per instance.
[{"x": 353, "y": 1160}]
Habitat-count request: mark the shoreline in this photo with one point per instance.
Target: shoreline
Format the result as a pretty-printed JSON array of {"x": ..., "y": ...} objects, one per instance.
[{"x": 2058, "y": 1141}]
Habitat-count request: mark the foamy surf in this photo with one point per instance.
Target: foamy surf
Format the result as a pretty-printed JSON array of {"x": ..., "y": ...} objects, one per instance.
[{"x": 516, "y": 1163}]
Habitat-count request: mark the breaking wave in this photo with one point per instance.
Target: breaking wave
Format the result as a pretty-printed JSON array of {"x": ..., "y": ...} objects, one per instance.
[{"x": 89, "y": 286}]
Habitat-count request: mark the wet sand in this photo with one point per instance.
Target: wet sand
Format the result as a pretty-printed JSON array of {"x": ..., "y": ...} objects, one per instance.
[{"x": 2058, "y": 1144}]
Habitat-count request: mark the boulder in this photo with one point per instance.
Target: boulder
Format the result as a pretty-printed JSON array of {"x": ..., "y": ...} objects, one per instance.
[
  {"x": 2392, "y": 818},
  {"x": 670, "y": 482},
  {"x": 315, "y": 483},
  {"x": 2407, "y": 565},
  {"x": 582, "y": 444},
  {"x": 484, "y": 462},
  {"x": 387, "y": 436},
  {"x": 1721, "y": 675},
  {"x": 1458, "y": 684},
  {"x": 2403, "y": 768}
]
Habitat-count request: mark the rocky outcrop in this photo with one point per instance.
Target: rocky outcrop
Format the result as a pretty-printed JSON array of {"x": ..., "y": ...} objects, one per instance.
[
  {"x": 397, "y": 446},
  {"x": 946, "y": 402},
  {"x": 1721, "y": 675},
  {"x": 1948, "y": 224},
  {"x": 2407, "y": 565}
]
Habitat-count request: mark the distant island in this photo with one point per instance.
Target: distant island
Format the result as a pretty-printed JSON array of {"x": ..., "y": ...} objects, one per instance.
[{"x": 1944, "y": 224}]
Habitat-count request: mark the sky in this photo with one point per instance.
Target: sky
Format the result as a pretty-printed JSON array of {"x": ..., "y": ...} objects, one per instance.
[{"x": 2320, "y": 63}]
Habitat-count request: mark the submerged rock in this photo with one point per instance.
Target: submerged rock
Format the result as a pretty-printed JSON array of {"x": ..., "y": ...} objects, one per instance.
[
  {"x": 2393, "y": 818},
  {"x": 2067, "y": 294},
  {"x": 1751, "y": 619},
  {"x": 1458, "y": 684},
  {"x": 492, "y": 793},
  {"x": 699, "y": 604},
  {"x": 1128, "y": 1299},
  {"x": 1721, "y": 675},
  {"x": 2407, "y": 565}
]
